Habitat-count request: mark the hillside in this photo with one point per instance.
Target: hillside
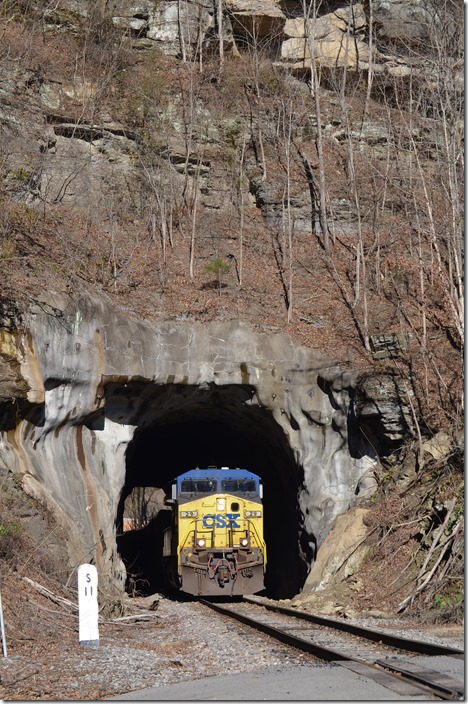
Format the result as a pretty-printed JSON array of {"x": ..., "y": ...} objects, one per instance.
[
  {"x": 299, "y": 168},
  {"x": 187, "y": 192}
]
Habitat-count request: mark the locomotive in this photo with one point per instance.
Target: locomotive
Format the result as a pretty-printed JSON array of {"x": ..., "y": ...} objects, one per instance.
[{"x": 214, "y": 545}]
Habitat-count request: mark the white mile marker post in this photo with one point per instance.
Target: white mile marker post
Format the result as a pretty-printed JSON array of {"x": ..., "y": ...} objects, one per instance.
[{"x": 88, "y": 611}]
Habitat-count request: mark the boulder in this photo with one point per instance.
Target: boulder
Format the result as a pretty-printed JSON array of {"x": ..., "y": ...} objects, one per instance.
[
  {"x": 336, "y": 39},
  {"x": 342, "y": 552},
  {"x": 403, "y": 19},
  {"x": 438, "y": 446}
]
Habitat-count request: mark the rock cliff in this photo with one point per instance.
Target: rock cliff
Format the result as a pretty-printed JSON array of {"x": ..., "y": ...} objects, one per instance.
[{"x": 113, "y": 403}]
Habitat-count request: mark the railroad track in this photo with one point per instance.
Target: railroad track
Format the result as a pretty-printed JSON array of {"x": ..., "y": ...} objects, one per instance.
[{"x": 368, "y": 652}]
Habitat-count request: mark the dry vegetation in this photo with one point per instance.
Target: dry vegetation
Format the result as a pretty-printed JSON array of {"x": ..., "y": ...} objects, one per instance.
[{"x": 416, "y": 534}]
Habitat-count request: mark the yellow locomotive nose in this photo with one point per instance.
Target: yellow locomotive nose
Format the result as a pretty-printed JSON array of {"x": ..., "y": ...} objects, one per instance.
[{"x": 215, "y": 541}]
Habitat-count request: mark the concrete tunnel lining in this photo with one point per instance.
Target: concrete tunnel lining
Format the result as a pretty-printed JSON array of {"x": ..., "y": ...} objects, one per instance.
[{"x": 179, "y": 427}]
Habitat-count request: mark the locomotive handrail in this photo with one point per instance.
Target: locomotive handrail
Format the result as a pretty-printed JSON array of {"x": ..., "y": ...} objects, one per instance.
[
  {"x": 204, "y": 531},
  {"x": 208, "y": 532},
  {"x": 252, "y": 529}
]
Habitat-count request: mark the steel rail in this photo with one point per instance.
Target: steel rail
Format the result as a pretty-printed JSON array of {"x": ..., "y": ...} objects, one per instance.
[
  {"x": 279, "y": 634},
  {"x": 415, "y": 679},
  {"x": 448, "y": 688},
  {"x": 414, "y": 646}
]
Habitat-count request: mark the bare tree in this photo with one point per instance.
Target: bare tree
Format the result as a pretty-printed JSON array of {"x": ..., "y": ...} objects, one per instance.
[{"x": 310, "y": 12}]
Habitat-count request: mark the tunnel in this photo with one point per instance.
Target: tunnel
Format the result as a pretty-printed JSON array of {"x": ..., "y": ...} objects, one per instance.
[{"x": 180, "y": 427}]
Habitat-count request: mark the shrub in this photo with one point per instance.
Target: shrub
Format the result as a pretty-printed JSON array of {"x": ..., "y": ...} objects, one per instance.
[
  {"x": 10, "y": 541},
  {"x": 219, "y": 267}
]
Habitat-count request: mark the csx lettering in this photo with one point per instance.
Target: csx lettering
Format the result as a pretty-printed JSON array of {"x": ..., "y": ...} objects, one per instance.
[{"x": 217, "y": 520}]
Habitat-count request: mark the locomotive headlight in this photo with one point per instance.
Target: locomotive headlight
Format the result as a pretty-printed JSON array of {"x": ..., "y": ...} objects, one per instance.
[
  {"x": 220, "y": 504},
  {"x": 201, "y": 542},
  {"x": 188, "y": 514},
  {"x": 244, "y": 542},
  {"x": 253, "y": 514}
]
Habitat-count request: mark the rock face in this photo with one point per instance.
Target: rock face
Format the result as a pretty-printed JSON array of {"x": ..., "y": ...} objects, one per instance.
[
  {"x": 334, "y": 40},
  {"x": 60, "y": 155},
  {"x": 402, "y": 19},
  {"x": 337, "y": 35},
  {"x": 256, "y": 18},
  {"x": 114, "y": 403}
]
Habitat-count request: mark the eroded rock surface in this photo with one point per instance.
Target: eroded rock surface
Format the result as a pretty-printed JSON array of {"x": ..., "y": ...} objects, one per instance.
[{"x": 99, "y": 381}]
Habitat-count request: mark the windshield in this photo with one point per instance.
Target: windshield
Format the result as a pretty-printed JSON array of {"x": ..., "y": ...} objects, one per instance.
[
  {"x": 198, "y": 486},
  {"x": 239, "y": 486}
]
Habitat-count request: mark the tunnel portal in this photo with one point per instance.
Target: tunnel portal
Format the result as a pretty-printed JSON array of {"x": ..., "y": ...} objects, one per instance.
[{"x": 180, "y": 427}]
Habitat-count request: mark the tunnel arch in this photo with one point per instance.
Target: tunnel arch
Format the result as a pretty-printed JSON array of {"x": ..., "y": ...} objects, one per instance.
[{"x": 179, "y": 427}]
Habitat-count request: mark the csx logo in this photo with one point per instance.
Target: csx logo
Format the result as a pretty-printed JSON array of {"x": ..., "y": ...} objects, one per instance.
[{"x": 212, "y": 520}]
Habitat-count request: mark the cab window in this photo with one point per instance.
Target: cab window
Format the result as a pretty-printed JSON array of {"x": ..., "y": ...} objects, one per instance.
[
  {"x": 198, "y": 486},
  {"x": 239, "y": 486}
]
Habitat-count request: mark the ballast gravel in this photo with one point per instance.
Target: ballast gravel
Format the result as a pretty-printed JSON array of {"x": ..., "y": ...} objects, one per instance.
[{"x": 162, "y": 642}]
